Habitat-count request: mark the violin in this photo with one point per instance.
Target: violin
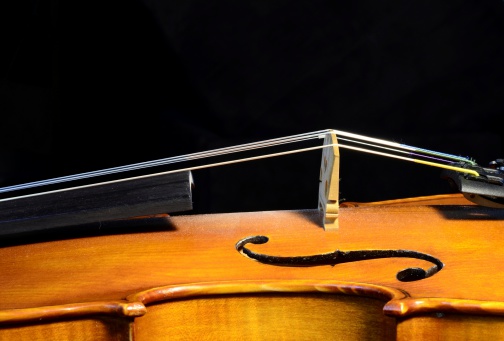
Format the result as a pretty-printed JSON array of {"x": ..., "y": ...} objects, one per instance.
[{"x": 423, "y": 268}]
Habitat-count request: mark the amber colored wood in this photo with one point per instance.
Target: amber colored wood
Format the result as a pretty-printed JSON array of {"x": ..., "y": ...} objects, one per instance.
[
  {"x": 267, "y": 310},
  {"x": 201, "y": 249},
  {"x": 415, "y": 306},
  {"x": 440, "y": 199},
  {"x": 451, "y": 327},
  {"x": 95, "y": 329},
  {"x": 191, "y": 250},
  {"x": 329, "y": 287},
  {"x": 267, "y": 317},
  {"x": 76, "y": 310}
]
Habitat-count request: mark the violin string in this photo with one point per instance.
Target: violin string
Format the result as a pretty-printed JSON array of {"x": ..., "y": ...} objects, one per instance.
[
  {"x": 394, "y": 150},
  {"x": 208, "y": 165},
  {"x": 404, "y": 146},
  {"x": 259, "y": 157},
  {"x": 170, "y": 160},
  {"x": 428, "y": 157},
  {"x": 424, "y": 162},
  {"x": 373, "y": 142},
  {"x": 381, "y": 147}
]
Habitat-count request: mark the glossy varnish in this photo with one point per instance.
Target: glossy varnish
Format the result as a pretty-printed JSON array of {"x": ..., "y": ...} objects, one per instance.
[{"x": 153, "y": 280}]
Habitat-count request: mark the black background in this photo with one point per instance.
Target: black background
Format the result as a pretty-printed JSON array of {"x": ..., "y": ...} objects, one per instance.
[{"x": 93, "y": 84}]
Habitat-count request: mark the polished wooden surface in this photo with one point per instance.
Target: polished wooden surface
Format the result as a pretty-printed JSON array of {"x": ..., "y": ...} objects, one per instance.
[
  {"x": 93, "y": 329},
  {"x": 267, "y": 317},
  {"x": 194, "y": 257}
]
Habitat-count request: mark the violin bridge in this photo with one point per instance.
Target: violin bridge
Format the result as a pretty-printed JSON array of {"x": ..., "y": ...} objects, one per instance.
[{"x": 329, "y": 183}]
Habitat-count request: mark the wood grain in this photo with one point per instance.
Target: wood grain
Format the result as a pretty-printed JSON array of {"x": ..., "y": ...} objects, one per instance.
[
  {"x": 67, "y": 311},
  {"x": 451, "y": 327},
  {"x": 193, "y": 250},
  {"x": 95, "y": 329},
  {"x": 267, "y": 317},
  {"x": 201, "y": 249}
]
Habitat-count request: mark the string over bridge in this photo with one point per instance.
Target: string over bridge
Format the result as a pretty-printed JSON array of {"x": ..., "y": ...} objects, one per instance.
[{"x": 328, "y": 201}]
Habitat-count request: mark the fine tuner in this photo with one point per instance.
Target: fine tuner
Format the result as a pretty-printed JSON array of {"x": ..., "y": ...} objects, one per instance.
[{"x": 169, "y": 191}]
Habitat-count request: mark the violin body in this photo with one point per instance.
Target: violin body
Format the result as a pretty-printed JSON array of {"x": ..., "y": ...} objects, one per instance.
[{"x": 184, "y": 278}]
